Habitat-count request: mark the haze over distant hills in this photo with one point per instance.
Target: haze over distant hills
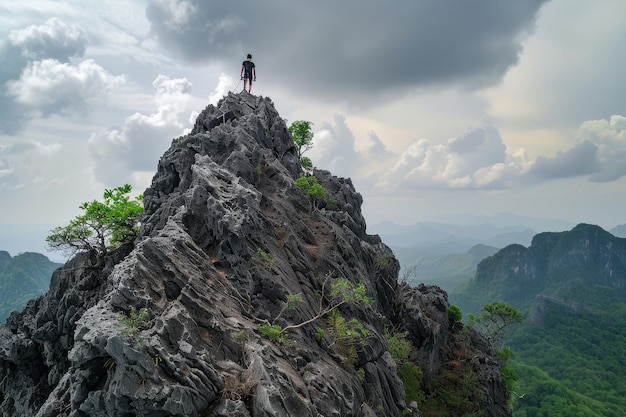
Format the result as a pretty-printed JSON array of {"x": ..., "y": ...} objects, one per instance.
[
  {"x": 463, "y": 231},
  {"x": 18, "y": 238},
  {"x": 446, "y": 250}
]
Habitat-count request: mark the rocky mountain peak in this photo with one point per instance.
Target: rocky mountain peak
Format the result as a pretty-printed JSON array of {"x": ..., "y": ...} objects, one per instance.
[
  {"x": 587, "y": 253},
  {"x": 169, "y": 326}
]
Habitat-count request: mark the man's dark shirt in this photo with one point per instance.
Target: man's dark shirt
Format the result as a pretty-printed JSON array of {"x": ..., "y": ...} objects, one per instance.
[{"x": 248, "y": 65}]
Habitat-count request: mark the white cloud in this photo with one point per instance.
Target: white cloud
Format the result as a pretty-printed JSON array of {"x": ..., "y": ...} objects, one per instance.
[
  {"x": 180, "y": 13},
  {"x": 52, "y": 87},
  {"x": 131, "y": 152},
  {"x": 53, "y": 39},
  {"x": 376, "y": 149},
  {"x": 478, "y": 159},
  {"x": 167, "y": 88},
  {"x": 225, "y": 84},
  {"x": 610, "y": 138},
  {"x": 333, "y": 148}
]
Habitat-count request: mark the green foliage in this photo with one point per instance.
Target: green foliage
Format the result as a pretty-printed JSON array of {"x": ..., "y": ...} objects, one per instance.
[
  {"x": 271, "y": 331},
  {"x": 454, "y": 314},
  {"x": 452, "y": 393},
  {"x": 508, "y": 374},
  {"x": 383, "y": 260},
  {"x": 508, "y": 377},
  {"x": 135, "y": 321},
  {"x": 398, "y": 345},
  {"x": 505, "y": 354},
  {"x": 411, "y": 376},
  {"x": 104, "y": 225},
  {"x": 361, "y": 374},
  {"x": 570, "y": 357},
  {"x": 346, "y": 291},
  {"x": 538, "y": 394},
  {"x": 302, "y": 135},
  {"x": 22, "y": 278},
  {"x": 495, "y": 319},
  {"x": 293, "y": 300},
  {"x": 242, "y": 336},
  {"x": 266, "y": 258},
  {"x": 319, "y": 333},
  {"x": 316, "y": 193},
  {"x": 574, "y": 361},
  {"x": 306, "y": 163},
  {"x": 313, "y": 189},
  {"x": 346, "y": 334},
  {"x": 409, "y": 373}
]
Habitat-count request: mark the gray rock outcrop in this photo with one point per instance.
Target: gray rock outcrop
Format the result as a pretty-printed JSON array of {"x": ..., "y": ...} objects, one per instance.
[{"x": 226, "y": 242}]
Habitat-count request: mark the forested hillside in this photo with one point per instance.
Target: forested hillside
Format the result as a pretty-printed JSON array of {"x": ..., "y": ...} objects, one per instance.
[
  {"x": 570, "y": 350},
  {"x": 22, "y": 278},
  {"x": 579, "y": 341}
]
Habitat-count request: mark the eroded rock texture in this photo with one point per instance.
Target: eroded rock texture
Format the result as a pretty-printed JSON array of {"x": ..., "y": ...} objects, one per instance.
[{"x": 226, "y": 239}]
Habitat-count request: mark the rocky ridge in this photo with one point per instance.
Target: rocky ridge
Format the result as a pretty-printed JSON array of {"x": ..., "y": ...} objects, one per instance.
[{"x": 226, "y": 239}]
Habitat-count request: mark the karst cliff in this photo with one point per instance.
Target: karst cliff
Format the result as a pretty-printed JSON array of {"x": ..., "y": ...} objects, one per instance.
[{"x": 169, "y": 325}]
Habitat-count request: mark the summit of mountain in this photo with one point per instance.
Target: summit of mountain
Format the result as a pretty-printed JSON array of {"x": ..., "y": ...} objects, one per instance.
[{"x": 243, "y": 296}]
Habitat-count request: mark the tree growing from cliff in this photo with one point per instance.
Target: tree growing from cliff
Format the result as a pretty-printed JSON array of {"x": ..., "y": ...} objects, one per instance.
[
  {"x": 344, "y": 333},
  {"x": 103, "y": 225},
  {"x": 302, "y": 136},
  {"x": 313, "y": 189},
  {"x": 495, "y": 319}
]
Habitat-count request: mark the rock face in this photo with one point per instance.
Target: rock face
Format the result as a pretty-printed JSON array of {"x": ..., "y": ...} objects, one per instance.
[
  {"x": 586, "y": 253},
  {"x": 169, "y": 325}
]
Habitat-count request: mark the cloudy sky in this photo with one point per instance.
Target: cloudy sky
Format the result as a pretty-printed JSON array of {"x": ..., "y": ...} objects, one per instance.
[{"x": 431, "y": 107}]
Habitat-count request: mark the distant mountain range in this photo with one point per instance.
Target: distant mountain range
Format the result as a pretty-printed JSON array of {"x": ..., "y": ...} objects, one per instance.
[
  {"x": 22, "y": 278},
  {"x": 568, "y": 280},
  {"x": 517, "y": 274},
  {"x": 446, "y": 252},
  {"x": 571, "y": 347}
]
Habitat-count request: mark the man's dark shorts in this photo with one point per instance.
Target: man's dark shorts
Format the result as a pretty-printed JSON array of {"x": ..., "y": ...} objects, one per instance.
[{"x": 247, "y": 76}]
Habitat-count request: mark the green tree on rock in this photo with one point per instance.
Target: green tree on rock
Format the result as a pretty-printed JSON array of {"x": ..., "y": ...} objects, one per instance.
[
  {"x": 103, "y": 225},
  {"x": 302, "y": 136},
  {"x": 495, "y": 319}
]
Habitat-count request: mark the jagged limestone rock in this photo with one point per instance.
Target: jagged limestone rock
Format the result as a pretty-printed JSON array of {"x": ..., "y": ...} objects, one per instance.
[{"x": 226, "y": 239}]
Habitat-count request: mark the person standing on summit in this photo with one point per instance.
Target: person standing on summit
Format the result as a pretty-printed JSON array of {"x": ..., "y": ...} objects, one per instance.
[{"x": 248, "y": 72}]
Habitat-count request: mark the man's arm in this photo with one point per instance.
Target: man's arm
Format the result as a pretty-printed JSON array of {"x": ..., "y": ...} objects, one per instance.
[
  {"x": 242, "y": 70},
  {"x": 254, "y": 72}
]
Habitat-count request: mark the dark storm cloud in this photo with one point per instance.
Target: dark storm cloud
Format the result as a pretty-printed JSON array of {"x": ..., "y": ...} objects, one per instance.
[{"x": 334, "y": 48}]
